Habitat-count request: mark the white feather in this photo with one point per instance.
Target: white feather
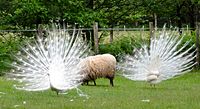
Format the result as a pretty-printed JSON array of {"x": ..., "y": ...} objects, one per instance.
[
  {"x": 50, "y": 62},
  {"x": 163, "y": 60}
]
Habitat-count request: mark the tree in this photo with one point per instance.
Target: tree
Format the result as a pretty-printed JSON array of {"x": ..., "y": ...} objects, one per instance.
[{"x": 108, "y": 13}]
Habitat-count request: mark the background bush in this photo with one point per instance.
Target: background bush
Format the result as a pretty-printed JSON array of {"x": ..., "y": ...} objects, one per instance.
[
  {"x": 125, "y": 44},
  {"x": 121, "y": 45},
  {"x": 189, "y": 37},
  {"x": 9, "y": 45}
]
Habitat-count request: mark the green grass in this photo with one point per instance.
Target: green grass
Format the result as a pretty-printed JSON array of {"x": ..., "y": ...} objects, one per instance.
[{"x": 182, "y": 92}]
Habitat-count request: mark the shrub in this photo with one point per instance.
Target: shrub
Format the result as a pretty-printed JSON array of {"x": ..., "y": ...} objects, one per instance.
[
  {"x": 189, "y": 39},
  {"x": 125, "y": 44},
  {"x": 9, "y": 44},
  {"x": 122, "y": 45}
]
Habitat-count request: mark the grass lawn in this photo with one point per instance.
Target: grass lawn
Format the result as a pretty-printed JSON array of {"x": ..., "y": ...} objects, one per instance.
[{"x": 179, "y": 93}]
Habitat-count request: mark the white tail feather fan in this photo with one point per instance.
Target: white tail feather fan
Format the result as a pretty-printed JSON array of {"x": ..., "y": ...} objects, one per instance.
[
  {"x": 50, "y": 62},
  {"x": 164, "y": 59}
]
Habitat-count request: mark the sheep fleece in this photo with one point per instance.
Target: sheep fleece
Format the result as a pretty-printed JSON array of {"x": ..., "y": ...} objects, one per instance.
[{"x": 98, "y": 66}]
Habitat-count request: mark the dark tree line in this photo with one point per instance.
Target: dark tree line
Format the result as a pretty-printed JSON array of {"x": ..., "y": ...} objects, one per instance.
[{"x": 29, "y": 14}]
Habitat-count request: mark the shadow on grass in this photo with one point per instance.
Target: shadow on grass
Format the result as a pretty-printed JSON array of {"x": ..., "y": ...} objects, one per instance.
[
  {"x": 100, "y": 85},
  {"x": 164, "y": 87}
]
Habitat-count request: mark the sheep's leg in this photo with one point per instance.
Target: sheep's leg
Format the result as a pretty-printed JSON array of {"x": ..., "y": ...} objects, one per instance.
[
  {"x": 94, "y": 82},
  {"x": 82, "y": 83},
  {"x": 111, "y": 81},
  {"x": 57, "y": 92},
  {"x": 154, "y": 85}
]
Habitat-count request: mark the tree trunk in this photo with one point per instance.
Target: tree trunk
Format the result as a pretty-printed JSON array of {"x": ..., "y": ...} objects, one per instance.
[
  {"x": 192, "y": 16},
  {"x": 96, "y": 44},
  {"x": 151, "y": 29},
  {"x": 197, "y": 44},
  {"x": 111, "y": 34},
  {"x": 178, "y": 13},
  {"x": 90, "y": 4},
  {"x": 155, "y": 19},
  {"x": 90, "y": 33}
]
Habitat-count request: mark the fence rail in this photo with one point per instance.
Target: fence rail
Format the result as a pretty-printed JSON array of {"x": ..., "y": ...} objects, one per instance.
[
  {"x": 100, "y": 29},
  {"x": 151, "y": 31}
]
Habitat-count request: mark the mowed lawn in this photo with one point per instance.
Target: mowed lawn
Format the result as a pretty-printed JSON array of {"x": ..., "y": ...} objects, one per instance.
[{"x": 182, "y": 92}]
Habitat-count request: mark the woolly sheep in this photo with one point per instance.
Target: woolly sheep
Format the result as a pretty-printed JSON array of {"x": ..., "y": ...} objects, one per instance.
[{"x": 99, "y": 66}]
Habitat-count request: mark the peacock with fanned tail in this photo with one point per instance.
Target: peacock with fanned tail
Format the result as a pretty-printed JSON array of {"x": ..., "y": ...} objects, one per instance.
[
  {"x": 165, "y": 58},
  {"x": 50, "y": 61}
]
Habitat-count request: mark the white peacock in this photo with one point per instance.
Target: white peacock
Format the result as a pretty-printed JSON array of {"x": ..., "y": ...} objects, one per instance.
[
  {"x": 50, "y": 62},
  {"x": 165, "y": 58}
]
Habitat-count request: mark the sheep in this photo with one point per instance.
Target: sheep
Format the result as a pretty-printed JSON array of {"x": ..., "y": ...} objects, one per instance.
[{"x": 99, "y": 66}]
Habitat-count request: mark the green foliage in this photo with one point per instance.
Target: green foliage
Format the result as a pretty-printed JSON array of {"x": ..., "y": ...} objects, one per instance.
[
  {"x": 189, "y": 38},
  {"x": 9, "y": 45},
  {"x": 122, "y": 45},
  {"x": 28, "y": 14},
  {"x": 33, "y": 13}
]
